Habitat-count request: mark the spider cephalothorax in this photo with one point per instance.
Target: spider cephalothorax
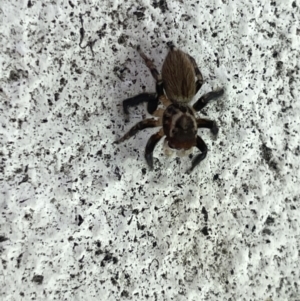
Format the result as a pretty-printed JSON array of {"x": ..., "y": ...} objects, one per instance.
[
  {"x": 180, "y": 126},
  {"x": 181, "y": 79}
]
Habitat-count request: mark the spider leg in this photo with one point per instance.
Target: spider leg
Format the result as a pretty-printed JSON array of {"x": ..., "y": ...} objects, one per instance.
[
  {"x": 199, "y": 81},
  {"x": 150, "y": 147},
  {"x": 208, "y": 124},
  {"x": 203, "y": 100},
  {"x": 150, "y": 98},
  {"x": 149, "y": 64},
  {"x": 198, "y": 158},
  {"x": 154, "y": 72},
  {"x": 147, "y": 123}
]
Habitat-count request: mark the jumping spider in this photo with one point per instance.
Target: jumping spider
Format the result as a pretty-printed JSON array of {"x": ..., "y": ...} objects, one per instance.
[{"x": 175, "y": 88}]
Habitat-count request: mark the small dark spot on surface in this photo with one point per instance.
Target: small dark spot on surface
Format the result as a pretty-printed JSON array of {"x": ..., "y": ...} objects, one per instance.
[
  {"x": 113, "y": 281},
  {"x": 162, "y": 4},
  {"x": 140, "y": 15},
  {"x": 3, "y": 238},
  {"x": 109, "y": 258},
  {"x": 19, "y": 260},
  {"x": 38, "y": 279},
  {"x": 266, "y": 154},
  {"x": 45, "y": 120},
  {"x": 124, "y": 294},
  {"x": 117, "y": 173},
  {"x": 204, "y": 212},
  {"x": 71, "y": 4},
  {"x": 29, "y": 4},
  {"x": 98, "y": 252},
  {"x": 214, "y": 34},
  {"x": 270, "y": 220},
  {"x": 266, "y": 231},
  {"x": 216, "y": 177},
  {"x": 279, "y": 65},
  {"x": 14, "y": 75},
  {"x": 24, "y": 180},
  {"x": 99, "y": 153},
  {"x": 135, "y": 211},
  {"x": 122, "y": 39},
  {"x": 79, "y": 220},
  {"x": 205, "y": 231},
  {"x": 245, "y": 188}
]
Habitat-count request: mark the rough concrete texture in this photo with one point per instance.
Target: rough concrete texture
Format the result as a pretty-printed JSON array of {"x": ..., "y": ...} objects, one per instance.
[{"x": 84, "y": 219}]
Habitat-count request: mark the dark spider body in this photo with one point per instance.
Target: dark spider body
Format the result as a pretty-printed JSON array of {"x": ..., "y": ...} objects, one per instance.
[{"x": 180, "y": 80}]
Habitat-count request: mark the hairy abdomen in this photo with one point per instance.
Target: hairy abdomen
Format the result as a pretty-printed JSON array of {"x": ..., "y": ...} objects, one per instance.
[{"x": 178, "y": 76}]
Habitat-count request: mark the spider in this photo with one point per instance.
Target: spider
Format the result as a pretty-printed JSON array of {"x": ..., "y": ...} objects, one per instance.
[{"x": 178, "y": 83}]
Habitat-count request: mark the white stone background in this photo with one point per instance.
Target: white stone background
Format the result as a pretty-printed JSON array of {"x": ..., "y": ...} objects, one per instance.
[{"x": 83, "y": 219}]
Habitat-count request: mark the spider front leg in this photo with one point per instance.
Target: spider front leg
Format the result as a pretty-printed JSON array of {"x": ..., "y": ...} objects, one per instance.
[
  {"x": 198, "y": 158},
  {"x": 204, "y": 100},
  {"x": 154, "y": 72},
  {"x": 147, "y": 123},
  {"x": 150, "y": 147},
  {"x": 152, "y": 99},
  {"x": 199, "y": 81},
  {"x": 208, "y": 124}
]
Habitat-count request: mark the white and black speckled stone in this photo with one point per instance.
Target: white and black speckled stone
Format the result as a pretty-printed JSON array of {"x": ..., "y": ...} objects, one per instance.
[{"x": 83, "y": 219}]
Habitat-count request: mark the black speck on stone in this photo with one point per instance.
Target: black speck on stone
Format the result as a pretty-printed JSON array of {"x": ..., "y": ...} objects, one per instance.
[
  {"x": 113, "y": 281},
  {"x": 45, "y": 120},
  {"x": 38, "y": 279},
  {"x": 140, "y": 15},
  {"x": 205, "y": 231},
  {"x": 270, "y": 220},
  {"x": 135, "y": 211},
  {"x": 99, "y": 153},
  {"x": 122, "y": 39},
  {"x": 214, "y": 34},
  {"x": 266, "y": 231},
  {"x": 117, "y": 173},
  {"x": 162, "y": 4},
  {"x": 204, "y": 212},
  {"x": 216, "y": 177},
  {"x": 71, "y": 4},
  {"x": 144, "y": 170},
  {"x": 279, "y": 65},
  {"x": 125, "y": 294},
  {"x": 24, "y": 180},
  {"x": 98, "y": 252},
  {"x": 56, "y": 96},
  {"x": 29, "y": 4},
  {"x": 3, "y": 238},
  {"x": 80, "y": 219}
]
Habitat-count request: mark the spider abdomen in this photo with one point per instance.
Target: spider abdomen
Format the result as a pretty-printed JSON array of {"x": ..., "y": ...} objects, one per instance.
[{"x": 178, "y": 76}]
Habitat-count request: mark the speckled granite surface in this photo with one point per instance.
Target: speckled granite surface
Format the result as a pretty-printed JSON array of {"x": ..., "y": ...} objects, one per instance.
[{"x": 83, "y": 219}]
